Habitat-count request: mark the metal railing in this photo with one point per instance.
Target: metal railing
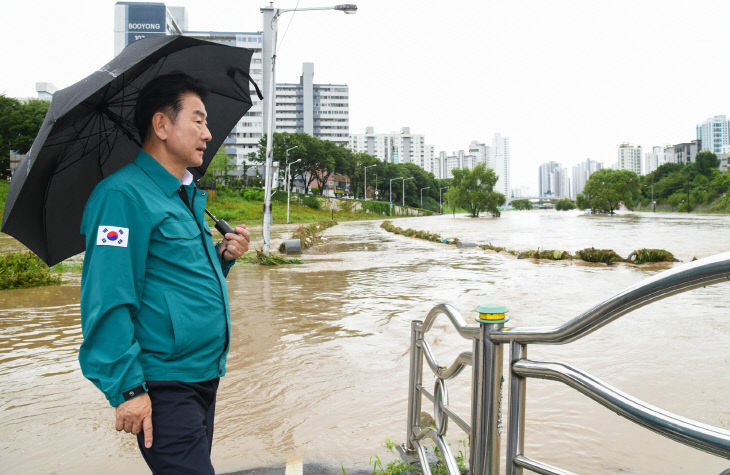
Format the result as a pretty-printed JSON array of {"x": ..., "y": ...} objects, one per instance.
[{"x": 486, "y": 361}]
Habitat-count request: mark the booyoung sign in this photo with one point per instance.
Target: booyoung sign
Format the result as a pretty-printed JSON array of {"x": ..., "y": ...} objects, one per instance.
[{"x": 144, "y": 21}]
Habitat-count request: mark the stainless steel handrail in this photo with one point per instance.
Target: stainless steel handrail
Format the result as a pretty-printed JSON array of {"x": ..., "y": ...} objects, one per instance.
[
  {"x": 695, "y": 434},
  {"x": 486, "y": 361},
  {"x": 700, "y": 273}
]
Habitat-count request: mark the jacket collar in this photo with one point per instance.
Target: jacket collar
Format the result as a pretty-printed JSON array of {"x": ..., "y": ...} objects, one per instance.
[{"x": 166, "y": 181}]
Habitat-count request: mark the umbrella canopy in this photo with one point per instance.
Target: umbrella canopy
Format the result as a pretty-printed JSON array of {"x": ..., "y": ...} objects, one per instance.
[{"x": 88, "y": 134}]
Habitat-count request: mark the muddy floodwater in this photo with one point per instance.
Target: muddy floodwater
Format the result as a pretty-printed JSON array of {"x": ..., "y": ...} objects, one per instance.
[{"x": 318, "y": 365}]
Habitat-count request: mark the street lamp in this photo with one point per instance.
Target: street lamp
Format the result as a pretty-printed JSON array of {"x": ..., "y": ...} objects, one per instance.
[
  {"x": 288, "y": 167},
  {"x": 441, "y": 208},
  {"x": 271, "y": 19},
  {"x": 365, "y": 195},
  {"x": 286, "y": 153},
  {"x": 653, "y": 204},
  {"x": 390, "y": 190},
  {"x": 426, "y": 188},
  {"x": 403, "y": 195}
]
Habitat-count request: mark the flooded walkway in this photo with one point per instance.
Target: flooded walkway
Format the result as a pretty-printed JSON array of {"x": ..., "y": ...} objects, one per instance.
[{"x": 319, "y": 359}]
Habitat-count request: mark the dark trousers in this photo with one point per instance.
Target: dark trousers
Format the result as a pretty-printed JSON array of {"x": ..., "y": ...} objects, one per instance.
[{"x": 182, "y": 427}]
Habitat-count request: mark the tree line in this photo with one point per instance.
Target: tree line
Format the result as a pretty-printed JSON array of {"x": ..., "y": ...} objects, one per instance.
[
  {"x": 19, "y": 125},
  {"x": 321, "y": 159},
  {"x": 681, "y": 186}
]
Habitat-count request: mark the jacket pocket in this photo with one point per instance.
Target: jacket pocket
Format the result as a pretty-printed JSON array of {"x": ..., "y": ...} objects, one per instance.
[
  {"x": 192, "y": 328},
  {"x": 179, "y": 229}
]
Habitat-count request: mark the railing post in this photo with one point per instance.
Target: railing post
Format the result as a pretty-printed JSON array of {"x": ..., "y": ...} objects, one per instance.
[
  {"x": 516, "y": 440},
  {"x": 415, "y": 379},
  {"x": 486, "y": 392}
]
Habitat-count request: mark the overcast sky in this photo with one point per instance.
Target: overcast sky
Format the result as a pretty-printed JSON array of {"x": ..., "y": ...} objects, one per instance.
[{"x": 564, "y": 80}]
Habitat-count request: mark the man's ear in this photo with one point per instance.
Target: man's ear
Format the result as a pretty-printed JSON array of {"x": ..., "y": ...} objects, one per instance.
[{"x": 160, "y": 124}]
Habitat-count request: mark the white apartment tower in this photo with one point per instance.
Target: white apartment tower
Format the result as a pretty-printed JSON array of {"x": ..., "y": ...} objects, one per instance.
[
  {"x": 629, "y": 158},
  {"x": 403, "y": 147},
  {"x": 714, "y": 134},
  {"x": 499, "y": 158},
  {"x": 319, "y": 110},
  {"x": 581, "y": 172}
]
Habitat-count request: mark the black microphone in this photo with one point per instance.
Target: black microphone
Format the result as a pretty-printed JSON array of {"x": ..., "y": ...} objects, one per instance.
[{"x": 220, "y": 224}]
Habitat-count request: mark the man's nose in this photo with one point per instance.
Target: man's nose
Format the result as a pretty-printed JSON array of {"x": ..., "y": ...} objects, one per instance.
[{"x": 206, "y": 134}]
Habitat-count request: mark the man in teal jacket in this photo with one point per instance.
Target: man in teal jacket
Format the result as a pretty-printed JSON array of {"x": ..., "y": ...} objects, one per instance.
[{"x": 154, "y": 301}]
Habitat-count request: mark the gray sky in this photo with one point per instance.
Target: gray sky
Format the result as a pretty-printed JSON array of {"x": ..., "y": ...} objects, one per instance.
[{"x": 565, "y": 80}]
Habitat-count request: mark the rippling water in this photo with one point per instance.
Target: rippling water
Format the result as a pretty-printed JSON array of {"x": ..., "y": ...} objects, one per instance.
[{"x": 319, "y": 360}]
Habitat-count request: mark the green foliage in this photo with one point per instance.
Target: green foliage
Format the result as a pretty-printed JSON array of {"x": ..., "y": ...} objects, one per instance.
[
  {"x": 706, "y": 162},
  {"x": 260, "y": 257},
  {"x": 379, "y": 207},
  {"x": 221, "y": 164},
  {"x": 565, "y": 204},
  {"x": 252, "y": 194},
  {"x": 309, "y": 235},
  {"x": 522, "y": 204},
  {"x": 19, "y": 125},
  {"x": 388, "y": 226},
  {"x": 25, "y": 269},
  {"x": 606, "y": 189},
  {"x": 607, "y": 256},
  {"x": 473, "y": 190},
  {"x": 653, "y": 255},
  {"x": 312, "y": 202}
]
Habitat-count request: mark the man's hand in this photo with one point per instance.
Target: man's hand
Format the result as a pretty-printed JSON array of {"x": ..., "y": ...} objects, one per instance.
[
  {"x": 135, "y": 415},
  {"x": 235, "y": 245}
]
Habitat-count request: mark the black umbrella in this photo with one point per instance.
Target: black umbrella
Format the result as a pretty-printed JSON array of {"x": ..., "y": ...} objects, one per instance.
[{"x": 88, "y": 134}]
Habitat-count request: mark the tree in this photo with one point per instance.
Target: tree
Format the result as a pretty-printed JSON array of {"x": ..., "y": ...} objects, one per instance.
[
  {"x": 706, "y": 162},
  {"x": 522, "y": 204},
  {"x": 221, "y": 164},
  {"x": 564, "y": 204},
  {"x": 19, "y": 125},
  {"x": 473, "y": 190},
  {"x": 606, "y": 189}
]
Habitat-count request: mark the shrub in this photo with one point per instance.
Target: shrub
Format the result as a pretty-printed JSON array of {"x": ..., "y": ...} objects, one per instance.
[
  {"x": 281, "y": 197},
  {"x": 564, "y": 204},
  {"x": 653, "y": 255},
  {"x": 312, "y": 202},
  {"x": 25, "y": 269},
  {"x": 379, "y": 207},
  {"x": 522, "y": 204},
  {"x": 252, "y": 194},
  {"x": 607, "y": 256}
]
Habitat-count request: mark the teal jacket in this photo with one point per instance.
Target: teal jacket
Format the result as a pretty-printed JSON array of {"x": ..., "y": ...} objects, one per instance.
[{"x": 154, "y": 300}]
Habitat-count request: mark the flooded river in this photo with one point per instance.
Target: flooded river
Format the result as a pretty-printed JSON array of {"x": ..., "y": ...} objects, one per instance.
[{"x": 319, "y": 361}]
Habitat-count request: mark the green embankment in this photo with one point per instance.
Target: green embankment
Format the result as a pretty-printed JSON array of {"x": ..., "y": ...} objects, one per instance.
[{"x": 235, "y": 208}]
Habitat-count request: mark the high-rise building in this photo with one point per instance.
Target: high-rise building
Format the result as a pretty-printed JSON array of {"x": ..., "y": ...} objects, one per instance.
[
  {"x": 499, "y": 156},
  {"x": 320, "y": 110},
  {"x": 629, "y": 158},
  {"x": 581, "y": 172},
  {"x": 403, "y": 147},
  {"x": 553, "y": 181},
  {"x": 654, "y": 159},
  {"x": 687, "y": 152},
  {"x": 714, "y": 134},
  {"x": 481, "y": 151}
]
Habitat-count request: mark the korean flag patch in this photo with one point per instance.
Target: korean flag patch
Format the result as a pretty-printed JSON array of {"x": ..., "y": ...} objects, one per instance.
[{"x": 112, "y": 236}]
